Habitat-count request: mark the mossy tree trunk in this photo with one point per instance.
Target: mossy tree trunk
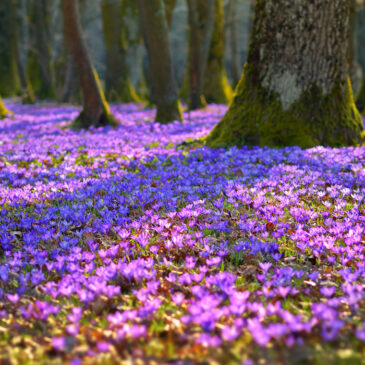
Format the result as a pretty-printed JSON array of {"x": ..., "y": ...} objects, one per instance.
[
  {"x": 95, "y": 108},
  {"x": 3, "y": 111},
  {"x": 27, "y": 93},
  {"x": 201, "y": 27},
  {"x": 67, "y": 78},
  {"x": 233, "y": 32},
  {"x": 207, "y": 77},
  {"x": 304, "y": 98},
  {"x": 153, "y": 18},
  {"x": 135, "y": 47},
  {"x": 40, "y": 57},
  {"x": 169, "y": 7},
  {"x": 9, "y": 81},
  {"x": 216, "y": 87},
  {"x": 118, "y": 83},
  {"x": 360, "y": 101},
  {"x": 356, "y": 75}
]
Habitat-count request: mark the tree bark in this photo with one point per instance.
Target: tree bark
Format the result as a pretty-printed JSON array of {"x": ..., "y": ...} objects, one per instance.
[
  {"x": 169, "y": 7},
  {"x": 9, "y": 81},
  {"x": 118, "y": 83},
  {"x": 95, "y": 108},
  {"x": 360, "y": 101},
  {"x": 27, "y": 94},
  {"x": 41, "y": 53},
  {"x": 70, "y": 88},
  {"x": 216, "y": 88},
  {"x": 295, "y": 88},
  {"x": 207, "y": 78},
  {"x": 3, "y": 111},
  {"x": 156, "y": 36},
  {"x": 201, "y": 26},
  {"x": 233, "y": 32}
]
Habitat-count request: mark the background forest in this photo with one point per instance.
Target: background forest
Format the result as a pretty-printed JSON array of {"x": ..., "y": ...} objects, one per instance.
[{"x": 54, "y": 61}]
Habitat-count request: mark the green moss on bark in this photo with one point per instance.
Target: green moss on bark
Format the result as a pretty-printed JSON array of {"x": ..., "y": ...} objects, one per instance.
[
  {"x": 360, "y": 101},
  {"x": 101, "y": 119},
  {"x": 9, "y": 83},
  {"x": 216, "y": 87},
  {"x": 124, "y": 93},
  {"x": 27, "y": 93},
  {"x": 84, "y": 121},
  {"x": 43, "y": 90},
  {"x": 169, "y": 113},
  {"x": 256, "y": 117},
  {"x": 118, "y": 84},
  {"x": 3, "y": 111}
]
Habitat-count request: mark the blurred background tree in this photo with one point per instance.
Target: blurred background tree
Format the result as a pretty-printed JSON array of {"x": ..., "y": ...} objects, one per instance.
[
  {"x": 207, "y": 52},
  {"x": 95, "y": 110}
]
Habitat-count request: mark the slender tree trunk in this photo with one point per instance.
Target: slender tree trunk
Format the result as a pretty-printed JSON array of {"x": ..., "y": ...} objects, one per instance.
[
  {"x": 70, "y": 88},
  {"x": 233, "y": 32},
  {"x": 3, "y": 111},
  {"x": 95, "y": 108},
  {"x": 169, "y": 7},
  {"x": 216, "y": 87},
  {"x": 26, "y": 88},
  {"x": 197, "y": 100},
  {"x": 296, "y": 88},
  {"x": 207, "y": 77},
  {"x": 41, "y": 50},
  {"x": 201, "y": 26},
  {"x": 118, "y": 83},
  {"x": 156, "y": 35},
  {"x": 135, "y": 46},
  {"x": 9, "y": 81},
  {"x": 360, "y": 102}
]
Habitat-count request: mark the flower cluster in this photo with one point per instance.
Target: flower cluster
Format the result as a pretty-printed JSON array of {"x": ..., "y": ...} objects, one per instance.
[{"x": 132, "y": 241}]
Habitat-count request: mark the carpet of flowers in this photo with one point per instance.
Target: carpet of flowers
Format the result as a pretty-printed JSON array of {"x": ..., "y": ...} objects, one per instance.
[{"x": 136, "y": 243}]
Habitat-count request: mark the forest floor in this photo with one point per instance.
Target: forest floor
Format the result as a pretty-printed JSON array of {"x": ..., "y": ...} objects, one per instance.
[{"x": 130, "y": 245}]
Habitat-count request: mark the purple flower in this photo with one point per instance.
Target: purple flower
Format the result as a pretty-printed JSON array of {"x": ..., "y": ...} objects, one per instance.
[
  {"x": 360, "y": 332},
  {"x": 103, "y": 346},
  {"x": 59, "y": 343},
  {"x": 265, "y": 266},
  {"x": 178, "y": 298},
  {"x": 258, "y": 332},
  {"x": 214, "y": 261},
  {"x": 13, "y": 298},
  {"x": 328, "y": 291},
  {"x": 230, "y": 333},
  {"x": 207, "y": 340}
]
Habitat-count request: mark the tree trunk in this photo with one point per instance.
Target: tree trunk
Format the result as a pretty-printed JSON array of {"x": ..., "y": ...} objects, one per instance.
[
  {"x": 3, "y": 111},
  {"x": 70, "y": 88},
  {"x": 360, "y": 102},
  {"x": 216, "y": 87},
  {"x": 207, "y": 78},
  {"x": 41, "y": 53},
  {"x": 233, "y": 32},
  {"x": 156, "y": 35},
  {"x": 95, "y": 108},
  {"x": 296, "y": 88},
  {"x": 9, "y": 81},
  {"x": 201, "y": 26},
  {"x": 169, "y": 7},
  {"x": 355, "y": 68},
  {"x": 26, "y": 87},
  {"x": 118, "y": 83}
]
